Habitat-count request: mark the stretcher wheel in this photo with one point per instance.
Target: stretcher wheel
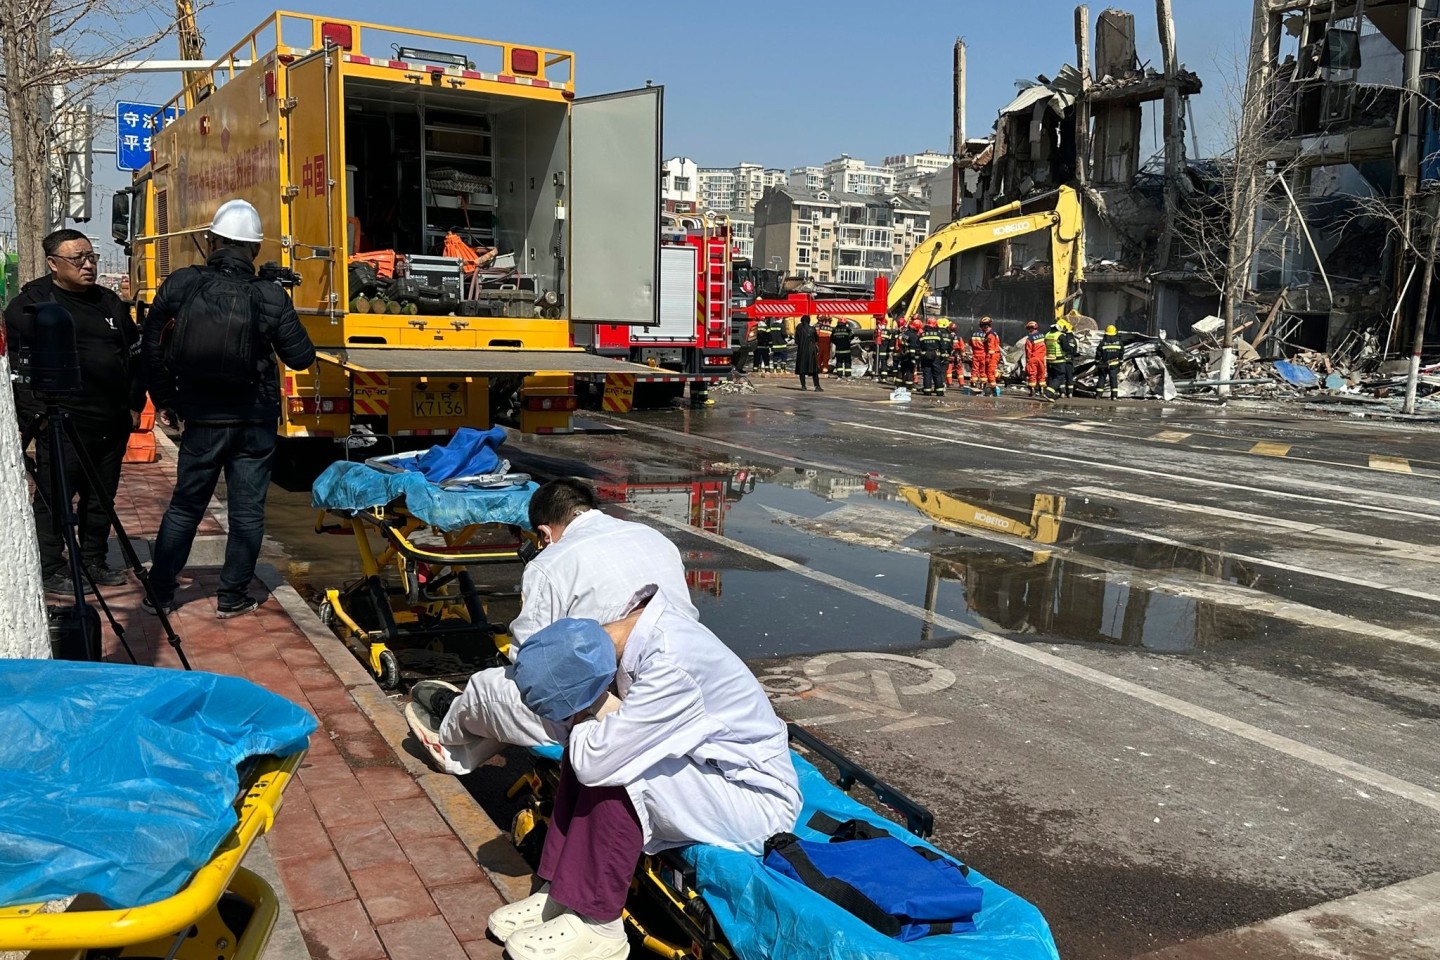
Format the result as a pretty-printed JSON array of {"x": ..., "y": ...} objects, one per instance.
[
  {"x": 326, "y": 613},
  {"x": 389, "y": 675}
]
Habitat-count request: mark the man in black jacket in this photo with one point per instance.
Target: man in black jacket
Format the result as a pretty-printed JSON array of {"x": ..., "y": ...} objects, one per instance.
[
  {"x": 210, "y": 343},
  {"x": 104, "y": 413}
]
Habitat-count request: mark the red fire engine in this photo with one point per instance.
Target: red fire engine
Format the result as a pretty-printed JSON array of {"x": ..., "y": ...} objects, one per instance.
[
  {"x": 691, "y": 343},
  {"x": 807, "y": 305}
]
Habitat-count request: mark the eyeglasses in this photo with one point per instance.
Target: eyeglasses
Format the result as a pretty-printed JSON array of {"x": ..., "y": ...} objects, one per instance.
[{"x": 79, "y": 260}]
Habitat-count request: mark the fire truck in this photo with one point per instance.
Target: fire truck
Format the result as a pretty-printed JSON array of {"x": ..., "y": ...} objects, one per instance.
[
  {"x": 690, "y": 345},
  {"x": 864, "y": 313},
  {"x": 356, "y": 141}
]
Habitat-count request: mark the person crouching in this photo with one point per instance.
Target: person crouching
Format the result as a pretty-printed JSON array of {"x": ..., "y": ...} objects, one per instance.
[{"x": 686, "y": 750}]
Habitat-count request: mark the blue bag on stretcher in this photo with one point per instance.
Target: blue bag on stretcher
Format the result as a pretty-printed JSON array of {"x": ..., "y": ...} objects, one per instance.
[{"x": 902, "y": 891}]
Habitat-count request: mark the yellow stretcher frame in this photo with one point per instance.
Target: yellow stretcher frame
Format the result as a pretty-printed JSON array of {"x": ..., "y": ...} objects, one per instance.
[{"x": 83, "y": 927}]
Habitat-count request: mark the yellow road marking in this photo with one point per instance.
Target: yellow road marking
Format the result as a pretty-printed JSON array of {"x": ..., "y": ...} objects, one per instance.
[
  {"x": 1170, "y": 436},
  {"x": 1266, "y": 449},
  {"x": 1392, "y": 464}
]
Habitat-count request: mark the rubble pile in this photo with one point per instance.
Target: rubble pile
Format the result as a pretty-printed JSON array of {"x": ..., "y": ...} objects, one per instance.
[{"x": 1159, "y": 368}]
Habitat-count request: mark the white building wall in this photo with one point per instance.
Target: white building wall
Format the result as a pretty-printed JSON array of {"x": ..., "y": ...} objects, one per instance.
[
  {"x": 680, "y": 182},
  {"x": 24, "y": 628}
]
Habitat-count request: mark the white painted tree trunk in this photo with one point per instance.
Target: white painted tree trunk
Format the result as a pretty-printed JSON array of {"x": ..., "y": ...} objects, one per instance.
[{"x": 24, "y": 629}]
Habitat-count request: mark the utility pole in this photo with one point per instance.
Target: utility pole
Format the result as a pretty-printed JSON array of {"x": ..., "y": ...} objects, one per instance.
[
  {"x": 957, "y": 156},
  {"x": 1082, "y": 103},
  {"x": 1412, "y": 377},
  {"x": 1174, "y": 120}
]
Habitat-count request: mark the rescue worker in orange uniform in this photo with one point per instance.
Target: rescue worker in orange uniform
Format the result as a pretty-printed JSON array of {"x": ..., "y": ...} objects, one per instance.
[
  {"x": 994, "y": 350},
  {"x": 1035, "y": 375},
  {"x": 955, "y": 373}
]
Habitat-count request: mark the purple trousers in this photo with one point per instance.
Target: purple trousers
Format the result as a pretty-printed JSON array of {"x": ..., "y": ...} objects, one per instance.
[{"x": 591, "y": 848}]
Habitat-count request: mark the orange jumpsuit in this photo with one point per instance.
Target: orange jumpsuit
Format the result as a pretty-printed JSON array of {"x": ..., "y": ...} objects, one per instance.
[
  {"x": 1035, "y": 360},
  {"x": 957, "y": 362},
  {"x": 980, "y": 361},
  {"x": 993, "y": 352}
]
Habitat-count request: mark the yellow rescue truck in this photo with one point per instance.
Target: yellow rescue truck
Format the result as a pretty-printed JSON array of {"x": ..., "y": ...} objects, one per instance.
[{"x": 385, "y": 145}]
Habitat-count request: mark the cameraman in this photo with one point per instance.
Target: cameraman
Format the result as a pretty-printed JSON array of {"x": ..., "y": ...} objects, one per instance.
[
  {"x": 210, "y": 343},
  {"x": 103, "y": 413}
]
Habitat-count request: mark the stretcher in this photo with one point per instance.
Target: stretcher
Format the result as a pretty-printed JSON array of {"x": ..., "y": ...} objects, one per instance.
[
  {"x": 132, "y": 797},
  {"x": 707, "y": 903},
  {"x": 225, "y": 912},
  {"x": 419, "y": 546}
]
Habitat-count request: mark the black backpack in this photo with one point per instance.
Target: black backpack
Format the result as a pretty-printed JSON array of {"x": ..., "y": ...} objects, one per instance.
[{"x": 215, "y": 346}]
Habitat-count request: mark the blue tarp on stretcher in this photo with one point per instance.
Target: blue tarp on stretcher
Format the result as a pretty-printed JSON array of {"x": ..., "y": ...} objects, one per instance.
[
  {"x": 121, "y": 781},
  {"x": 767, "y": 916},
  {"x": 355, "y": 486}
]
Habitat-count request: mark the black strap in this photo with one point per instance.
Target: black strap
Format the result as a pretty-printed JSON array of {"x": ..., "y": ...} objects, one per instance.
[{"x": 787, "y": 845}]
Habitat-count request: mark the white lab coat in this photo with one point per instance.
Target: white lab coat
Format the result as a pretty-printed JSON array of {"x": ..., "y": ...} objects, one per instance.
[
  {"x": 694, "y": 741},
  {"x": 594, "y": 570}
]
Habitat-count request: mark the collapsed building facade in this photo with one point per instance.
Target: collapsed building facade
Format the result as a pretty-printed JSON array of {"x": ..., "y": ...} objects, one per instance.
[
  {"x": 1085, "y": 128},
  {"x": 1343, "y": 153}
]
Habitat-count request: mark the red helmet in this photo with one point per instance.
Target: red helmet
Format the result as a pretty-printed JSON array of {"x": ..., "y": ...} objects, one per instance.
[
  {"x": 932, "y": 321},
  {"x": 915, "y": 324},
  {"x": 1032, "y": 325},
  {"x": 984, "y": 321}
]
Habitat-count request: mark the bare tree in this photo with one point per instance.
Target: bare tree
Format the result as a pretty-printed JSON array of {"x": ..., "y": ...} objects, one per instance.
[
  {"x": 50, "y": 52},
  {"x": 1239, "y": 206}
]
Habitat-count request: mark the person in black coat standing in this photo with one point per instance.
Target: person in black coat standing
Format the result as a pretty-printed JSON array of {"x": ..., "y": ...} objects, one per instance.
[{"x": 807, "y": 353}]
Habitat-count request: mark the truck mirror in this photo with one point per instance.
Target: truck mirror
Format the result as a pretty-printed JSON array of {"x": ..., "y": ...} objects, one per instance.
[{"x": 120, "y": 217}]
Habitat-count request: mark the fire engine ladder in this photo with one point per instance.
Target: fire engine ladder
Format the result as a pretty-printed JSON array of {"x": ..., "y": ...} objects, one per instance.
[
  {"x": 711, "y": 509},
  {"x": 717, "y": 279}
]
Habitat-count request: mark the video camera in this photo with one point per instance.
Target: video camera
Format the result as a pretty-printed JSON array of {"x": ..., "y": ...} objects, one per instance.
[{"x": 275, "y": 273}]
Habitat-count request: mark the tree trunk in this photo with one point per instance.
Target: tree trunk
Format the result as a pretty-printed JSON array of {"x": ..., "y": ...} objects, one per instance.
[
  {"x": 22, "y": 41},
  {"x": 24, "y": 628},
  {"x": 1412, "y": 378}
]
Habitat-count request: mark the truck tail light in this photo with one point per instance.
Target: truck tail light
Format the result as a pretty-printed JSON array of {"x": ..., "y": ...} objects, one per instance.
[
  {"x": 524, "y": 61},
  {"x": 269, "y": 84},
  {"x": 302, "y": 405},
  {"x": 556, "y": 404},
  {"x": 340, "y": 35},
  {"x": 721, "y": 360}
]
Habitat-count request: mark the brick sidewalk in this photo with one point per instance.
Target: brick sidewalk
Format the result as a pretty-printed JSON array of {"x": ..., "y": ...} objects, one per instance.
[{"x": 369, "y": 866}]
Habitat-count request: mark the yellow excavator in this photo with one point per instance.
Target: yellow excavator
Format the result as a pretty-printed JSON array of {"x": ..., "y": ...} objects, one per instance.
[
  {"x": 199, "y": 84},
  {"x": 1064, "y": 219}
]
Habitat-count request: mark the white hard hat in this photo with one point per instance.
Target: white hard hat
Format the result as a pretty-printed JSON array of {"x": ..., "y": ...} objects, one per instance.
[{"x": 237, "y": 220}]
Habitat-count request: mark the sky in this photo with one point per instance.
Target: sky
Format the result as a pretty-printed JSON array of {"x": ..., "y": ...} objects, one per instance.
[{"x": 780, "y": 83}]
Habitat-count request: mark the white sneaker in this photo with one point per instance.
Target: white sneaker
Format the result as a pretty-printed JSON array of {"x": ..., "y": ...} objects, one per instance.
[
  {"x": 424, "y": 727},
  {"x": 520, "y": 915},
  {"x": 567, "y": 937}
]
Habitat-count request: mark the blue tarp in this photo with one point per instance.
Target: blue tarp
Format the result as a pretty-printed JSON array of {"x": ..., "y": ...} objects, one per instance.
[
  {"x": 1296, "y": 375},
  {"x": 470, "y": 453},
  {"x": 767, "y": 916},
  {"x": 120, "y": 781},
  {"x": 355, "y": 486}
]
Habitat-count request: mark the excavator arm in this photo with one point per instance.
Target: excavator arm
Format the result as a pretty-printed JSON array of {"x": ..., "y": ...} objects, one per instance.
[{"x": 1067, "y": 248}]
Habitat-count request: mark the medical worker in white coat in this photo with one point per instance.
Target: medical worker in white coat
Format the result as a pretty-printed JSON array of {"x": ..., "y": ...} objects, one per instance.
[{"x": 685, "y": 749}]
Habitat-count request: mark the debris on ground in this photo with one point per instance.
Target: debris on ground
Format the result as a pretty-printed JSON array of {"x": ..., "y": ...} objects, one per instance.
[{"x": 1162, "y": 368}]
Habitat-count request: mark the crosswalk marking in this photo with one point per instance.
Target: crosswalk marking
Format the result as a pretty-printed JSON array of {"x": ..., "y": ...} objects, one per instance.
[
  {"x": 1170, "y": 436},
  {"x": 1267, "y": 449},
  {"x": 1392, "y": 464}
]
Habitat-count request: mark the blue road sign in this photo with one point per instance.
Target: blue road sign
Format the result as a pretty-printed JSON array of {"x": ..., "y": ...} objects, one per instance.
[{"x": 135, "y": 126}]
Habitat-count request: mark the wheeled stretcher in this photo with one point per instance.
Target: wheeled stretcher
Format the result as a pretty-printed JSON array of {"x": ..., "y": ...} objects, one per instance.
[
  {"x": 419, "y": 547},
  {"x": 708, "y": 903}
]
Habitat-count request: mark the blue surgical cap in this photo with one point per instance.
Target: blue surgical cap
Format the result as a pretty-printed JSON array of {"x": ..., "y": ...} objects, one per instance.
[{"x": 564, "y": 668}]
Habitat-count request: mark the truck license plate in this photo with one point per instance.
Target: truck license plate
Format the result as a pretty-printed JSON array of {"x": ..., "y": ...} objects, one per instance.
[{"x": 438, "y": 404}]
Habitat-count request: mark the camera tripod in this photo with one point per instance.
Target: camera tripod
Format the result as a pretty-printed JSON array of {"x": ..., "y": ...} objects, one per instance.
[{"x": 60, "y": 435}]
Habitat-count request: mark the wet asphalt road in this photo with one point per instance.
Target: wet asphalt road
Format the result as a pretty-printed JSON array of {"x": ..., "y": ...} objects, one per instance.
[{"x": 1163, "y": 671}]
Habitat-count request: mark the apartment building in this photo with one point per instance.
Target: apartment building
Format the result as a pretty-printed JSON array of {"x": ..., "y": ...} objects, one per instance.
[
  {"x": 807, "y": 178},
  {"x": 736, "y": 188},
  {"x": 678, "y": 185},
  {"x": 836, "y": 237},
  {"x": 845, "y": 174},
  {"x": 914, "y": 172}
]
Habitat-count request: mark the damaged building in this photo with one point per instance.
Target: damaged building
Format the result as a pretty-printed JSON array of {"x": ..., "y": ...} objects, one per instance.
[
  {"x": 1085, "y": 128},
  {"x": 1345, "y": 174}
]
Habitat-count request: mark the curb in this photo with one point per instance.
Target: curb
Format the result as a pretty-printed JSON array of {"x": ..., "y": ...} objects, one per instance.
[{"x": 487, "y": 841}]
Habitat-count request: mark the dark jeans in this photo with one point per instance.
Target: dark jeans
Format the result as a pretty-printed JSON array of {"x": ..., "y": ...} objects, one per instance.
[
  {"x": 244, "y": 453},
  {"x": 105, "y": 445}
]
